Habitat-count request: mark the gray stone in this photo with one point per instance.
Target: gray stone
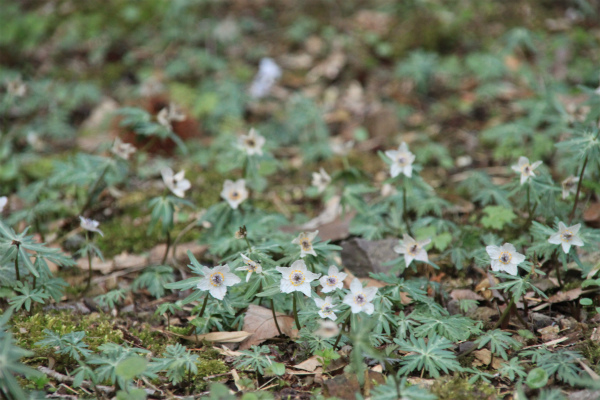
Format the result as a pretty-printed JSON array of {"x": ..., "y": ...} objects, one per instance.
[
  {"x": 364, "y": 256},
  {"x": 540, "y": 320},
  {"x": 585, "y": 395}
]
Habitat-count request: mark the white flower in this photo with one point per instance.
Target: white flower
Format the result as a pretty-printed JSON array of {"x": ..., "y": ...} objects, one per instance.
[
  {"x": 234, "y": 193},
  {"x": 525, "y": 168},
  {"x": 90, "y": 225},
  {"x": 296, "y": 278},
  {"x": 252, "y": 143},
  {"x": 217, "y": 279},
  {"x": 320, "y": 180},
  {"x": 412, "y": 249},
  {"x": 175, "y": 182},
  {"x": 3, "y": 203},
  {"x": 305, "y": 242},
  {"x": 268, "y": 73},
  {"x": 505, "y": 258},
  {"x": 16, "y": 87},
  {"x": 569, "y": 186},
  {"x": 169, "y": 114},
  {"x": 326, "y": 308},
  {"x": 402, "y": 160},
  {"x": 250, "y": 266},
  {"x": 339, "y": 147},
  {"x": 359, "y": 298},
  {"x": 566, "y": 236},
  {"x": 121, "y": 149},
  {"x": 333, "y": 281},
  {"x": 327, "y": 329}
]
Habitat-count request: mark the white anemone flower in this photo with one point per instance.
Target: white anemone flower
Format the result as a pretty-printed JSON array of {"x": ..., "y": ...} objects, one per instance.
[
  {"x": 268, "y": 74},
  {"x": 359, "y": 299},
  {"x": 296, "y": 278},
  {"x": 170, "y": 114},
  {"x": 412, "y": 249},
  {"x": 402, "y": 160},
  {"x": 327, "y": 329},
  {"x": 252, "y": 143},
  {"x": 234, "y": 193},
  {"x": 176, "y": 183},
  {"x": 505, "y": 258},
  {"x": 566, "y": 236},
  {"x": 569, "y": 186},
  {"x": 90, "y": 225},
  {"x": 333, "y": 281},
  {"x": 3, "y": 203},
  {"x": 305, "y": 240},
  {"x": 525, "y": 169},
  {"x": 320, "y": 180},
  {"x": 250, "y": 266},
  {"x": 326, "y": 308},
  {"x": 122, "y": 149},
  {"x": 217, "y": 279}
]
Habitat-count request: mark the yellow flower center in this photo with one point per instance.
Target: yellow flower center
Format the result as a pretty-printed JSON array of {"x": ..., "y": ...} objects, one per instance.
[
  {"x": 297, "y": 278},
  {"x": 306, "y": 244},
  {"x": 326, "y": 309},
  {"x": 566, "y": 236},
  {"x": 413, "y": 250},
  {"x": 402, "y": 160},
  {"x": 217, "y": 279},
  {"x": 360, "y": 299},
  {"x": 234, "y": 195},
  {"x": 331, "y": 280},
  {"x": 505, "y": 257},
  {"x": 526, "y": 169}
]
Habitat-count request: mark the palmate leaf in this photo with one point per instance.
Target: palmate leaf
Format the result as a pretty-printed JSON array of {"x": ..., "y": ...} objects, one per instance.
[
  {"x": 499, "y": 341},
  {"x": 154, "y": 279},
  {"x": 432, "y": 356},
  {"x": 396, "y": 388},
  {"x": 453, "y": 327}
]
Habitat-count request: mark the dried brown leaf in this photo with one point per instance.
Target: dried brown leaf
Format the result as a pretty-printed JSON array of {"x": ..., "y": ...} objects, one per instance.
[
  {"x": 259, "y": 321},
  {"x": 465, "y": 294},
  {"x": 220, "y": 337}
]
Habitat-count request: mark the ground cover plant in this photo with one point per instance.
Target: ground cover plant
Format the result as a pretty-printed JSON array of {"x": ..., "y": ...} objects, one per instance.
[{"x": 259, "y": 200}]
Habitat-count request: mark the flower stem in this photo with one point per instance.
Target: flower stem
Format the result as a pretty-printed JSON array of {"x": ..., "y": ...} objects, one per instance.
[
  {"x": 342, "y": 330},
  {"x": 89, "y": 257},
  {"x": 203, "y": 306},
  {"x": 578, "y": 190},
  {"x": 275, "y": 317},
  {"x": 91, "y": 191},
  {"x": 164, "y": 259},
  {"x": 17, "y": 264},
  {"x": 296, "y": 312},
  {"x": 506, "y": 312},
  {"x": 405, "y": 210},
  {"x": 248, "y": 243}
]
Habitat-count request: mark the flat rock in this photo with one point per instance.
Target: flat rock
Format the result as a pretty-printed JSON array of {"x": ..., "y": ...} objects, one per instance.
[{"x": 363, "y": 256}]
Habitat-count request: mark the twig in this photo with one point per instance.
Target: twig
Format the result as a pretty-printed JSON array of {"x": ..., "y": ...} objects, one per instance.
[
  {"x": 578, "y": 190},
  {"x": 65, "y": 378}
]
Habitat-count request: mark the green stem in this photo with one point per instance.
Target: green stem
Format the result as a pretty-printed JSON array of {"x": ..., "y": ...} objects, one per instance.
[
  {"x": 203, "y": 306},
  {"x": 505, "y": 313},
  {"x": 164, "y": 259},
  {"x": 275, "y": 317},
  {"x": 578, "y": 190},
  {"x": 296, "y": 312},
  {"x": 17, "y": 264},
  {"x": 89, "y": 256},
  {"x": 346, "y": 163},
  {"x": 248, "y": 243},
  {"x": 342, "y": 330},
  {"x": 405, "y": 210},
  {"x": 91, "y": 191}
]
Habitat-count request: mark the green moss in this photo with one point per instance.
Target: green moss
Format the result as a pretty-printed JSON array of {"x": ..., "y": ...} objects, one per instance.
[
  {"x": 459, "y": 388},
  {"x": 208, "y": 368},
  {"x": 98, "y": 328},
  {"x": 591, "y": 351}
]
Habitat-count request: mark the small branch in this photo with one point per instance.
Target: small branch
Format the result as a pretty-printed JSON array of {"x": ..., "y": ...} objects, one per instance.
[{"x": 68, "y": 379}]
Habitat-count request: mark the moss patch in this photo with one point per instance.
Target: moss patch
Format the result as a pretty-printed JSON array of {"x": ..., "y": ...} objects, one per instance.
[{"x": 460, "y": 388}]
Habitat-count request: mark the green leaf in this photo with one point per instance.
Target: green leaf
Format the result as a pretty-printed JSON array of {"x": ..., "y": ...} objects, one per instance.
[
  {"x": 278, "y": 368},
  {"x": 131, "y": 367},
  {"x": 586, "y": 302},
  {"x": 537, "y": 378},
  {"x": 132, "y": 394},
  {"x": 497, "y": 216}
]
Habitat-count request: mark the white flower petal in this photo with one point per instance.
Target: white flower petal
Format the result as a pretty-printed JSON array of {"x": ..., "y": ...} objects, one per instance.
[
  {"x": 304, "y": 288},
  {"x": 286, "y": 286},
  {"x": 218, "y": 292},
  {"x": 566, "y": 246},
  {"x": 368, "y": 308},
  {"x": 555, "y": 239},
  {"x": 356, "y": 286}
]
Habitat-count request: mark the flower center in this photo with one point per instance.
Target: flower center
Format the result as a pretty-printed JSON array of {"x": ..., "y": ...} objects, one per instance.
[
  {"x": 412, "y": 250},
  {"x": 360, "y": 299},
  {"x": 566, "y": 236},
  {"x": 401, "y": 160},
  {"x": 331, "y": 280},
  {"x": 217, "y": 279},
  {"x": 526, "y": 169},
  {"x": 306, "y": 245},
  {"x": 234, "y": 195},
  {"x": 250, "y": 143},
  {"x": 297, "y": 278},
  {"x": 505, "y": 257},
  {"x": 251, "y": 266},
  {"x": 326, "y": 309}
]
